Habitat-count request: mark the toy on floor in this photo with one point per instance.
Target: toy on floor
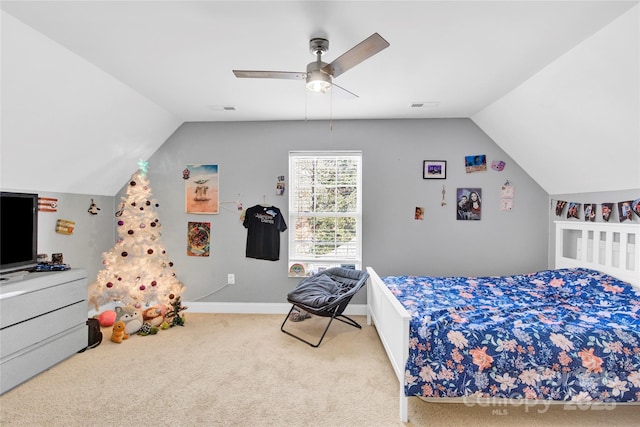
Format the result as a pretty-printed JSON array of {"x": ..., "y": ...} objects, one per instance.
[
  {"x": 147, "y": 329},
  {"x": 119, "y": 332},
  {"x": 131, "y": 317},
  {"x": 154, "y": 315},
  {"x": 174, "y": 318},
  {"x": 107, "y": 318}
]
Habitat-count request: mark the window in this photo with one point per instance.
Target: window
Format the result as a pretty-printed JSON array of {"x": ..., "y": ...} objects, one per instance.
[{"x": 325, "y": 211}]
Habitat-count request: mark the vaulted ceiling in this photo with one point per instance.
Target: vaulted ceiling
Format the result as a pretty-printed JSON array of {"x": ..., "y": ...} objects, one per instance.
[{"x": 98, "y": 85}]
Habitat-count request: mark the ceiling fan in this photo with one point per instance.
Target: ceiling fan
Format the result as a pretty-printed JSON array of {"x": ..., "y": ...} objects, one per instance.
[{"x": 319, "y": 75}]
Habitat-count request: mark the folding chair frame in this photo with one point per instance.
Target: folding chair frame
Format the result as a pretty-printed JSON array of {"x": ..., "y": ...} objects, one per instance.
[
  {"x": 334, "y": 315},
  {"x": 356, "y": 279}
]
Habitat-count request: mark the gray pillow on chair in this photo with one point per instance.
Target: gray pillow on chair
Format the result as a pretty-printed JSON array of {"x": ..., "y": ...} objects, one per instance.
[{"x": 316, "y": 291}]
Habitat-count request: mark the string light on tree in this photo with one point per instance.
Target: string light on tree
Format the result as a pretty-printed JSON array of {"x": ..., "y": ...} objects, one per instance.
[{"x": 137, "y": 270}]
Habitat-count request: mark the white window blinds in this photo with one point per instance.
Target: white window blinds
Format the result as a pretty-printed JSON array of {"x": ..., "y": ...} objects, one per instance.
[{"x": 325, "y": 211}]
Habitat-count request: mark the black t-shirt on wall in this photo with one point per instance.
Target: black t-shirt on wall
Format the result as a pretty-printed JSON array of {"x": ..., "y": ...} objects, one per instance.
[{"x": 264, "y": 225}]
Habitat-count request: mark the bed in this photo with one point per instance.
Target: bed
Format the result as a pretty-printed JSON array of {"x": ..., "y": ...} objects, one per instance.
[{"x": 497, "y": 337}]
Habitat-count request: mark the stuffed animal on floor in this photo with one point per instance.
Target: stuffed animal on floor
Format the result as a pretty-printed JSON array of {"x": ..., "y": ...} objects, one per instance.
[
  {"x": 154, "y": 315},
  {"x": 131, "y": 317},
  {"x": 119, "y": 333},
  {"x": 147, "y": 329},
  {"x": 107, "y": 318}
]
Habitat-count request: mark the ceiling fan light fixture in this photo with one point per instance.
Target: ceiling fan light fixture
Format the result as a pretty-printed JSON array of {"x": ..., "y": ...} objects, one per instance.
[{"x": 317, "y": 81}]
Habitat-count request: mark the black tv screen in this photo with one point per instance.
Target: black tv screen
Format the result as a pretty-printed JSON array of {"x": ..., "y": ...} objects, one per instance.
[{"x": 18, "y": 231}]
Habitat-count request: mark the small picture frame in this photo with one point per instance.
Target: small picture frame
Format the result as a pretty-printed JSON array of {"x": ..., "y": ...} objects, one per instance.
[{"x": 434, "y": 169}]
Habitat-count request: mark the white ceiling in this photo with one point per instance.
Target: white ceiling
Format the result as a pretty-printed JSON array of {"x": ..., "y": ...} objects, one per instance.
[
  {"x": 111, "y": 80},
  {"x": 461, "y": 55}
]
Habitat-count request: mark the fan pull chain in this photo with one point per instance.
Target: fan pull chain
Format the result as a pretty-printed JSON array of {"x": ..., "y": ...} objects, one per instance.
[
  {"x": 331, "y": 110},
  {"x": 306, "y": 103}
]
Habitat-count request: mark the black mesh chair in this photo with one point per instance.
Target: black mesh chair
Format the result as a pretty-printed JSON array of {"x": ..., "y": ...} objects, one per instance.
[{"x": 326, "y": 294}]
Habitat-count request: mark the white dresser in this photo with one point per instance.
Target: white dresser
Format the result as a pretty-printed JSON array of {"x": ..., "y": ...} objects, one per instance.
[{"x": 42, "y": 322}]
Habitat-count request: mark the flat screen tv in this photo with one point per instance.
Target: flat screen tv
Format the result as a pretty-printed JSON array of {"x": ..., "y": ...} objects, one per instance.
[{"x": 18, "y": 231}]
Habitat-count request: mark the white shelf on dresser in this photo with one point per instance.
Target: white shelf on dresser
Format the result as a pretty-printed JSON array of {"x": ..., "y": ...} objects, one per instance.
[{"x": 42, "y": 322}]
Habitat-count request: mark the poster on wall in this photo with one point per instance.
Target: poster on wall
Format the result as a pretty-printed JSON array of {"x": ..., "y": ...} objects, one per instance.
[
  {"x": 475, "y": 163},
  {"x": 469, "y": 205},
  {"x": 607, "y": 208},
  {"x": 574, "y": 210},
  {"x": 201, "y": 189},
  {"x": 635, "y": 206},
  {"x": 625, "y": 212},
  {"x": 590, "y": 212},
  {"x": 198, "y": 238},
  {"x": 47, "y": 204}
]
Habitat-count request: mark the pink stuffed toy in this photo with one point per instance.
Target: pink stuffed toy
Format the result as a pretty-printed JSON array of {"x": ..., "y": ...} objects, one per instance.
[{"x": 107, "y": 318}]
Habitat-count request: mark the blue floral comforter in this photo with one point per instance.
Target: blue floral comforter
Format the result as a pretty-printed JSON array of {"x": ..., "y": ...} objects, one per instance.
[{"x": 568, "y": 334}]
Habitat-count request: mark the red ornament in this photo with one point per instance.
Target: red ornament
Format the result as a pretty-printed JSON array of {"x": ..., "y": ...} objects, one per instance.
[
  {"x": 109, "y": 285},
  {"x": 149, "y": 251},
  {"x": 143, "y": 287},
  {"x": 154, "y": 283},
  {"x": 171, "y": 296}
]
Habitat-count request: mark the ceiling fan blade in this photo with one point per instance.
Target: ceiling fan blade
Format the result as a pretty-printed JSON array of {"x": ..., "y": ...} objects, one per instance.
[
  {"x": 365, "y": 49},
  {"x": 289, "y": 75},
  {"x": 344, "y": 92}
]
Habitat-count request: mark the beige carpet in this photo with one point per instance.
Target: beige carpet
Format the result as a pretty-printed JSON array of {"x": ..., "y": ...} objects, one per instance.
[{"x": 240, "y": 370}]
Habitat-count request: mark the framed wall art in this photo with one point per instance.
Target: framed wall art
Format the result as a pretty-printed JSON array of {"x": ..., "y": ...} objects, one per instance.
[{"x": 434, "y": 169}]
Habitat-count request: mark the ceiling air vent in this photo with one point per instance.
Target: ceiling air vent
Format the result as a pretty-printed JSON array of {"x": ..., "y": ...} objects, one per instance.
[
  {"x": 221, "y": 107},
  {"x": 429, "y": 104}
]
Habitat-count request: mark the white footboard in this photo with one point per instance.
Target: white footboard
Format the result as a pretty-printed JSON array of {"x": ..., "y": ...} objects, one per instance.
[{"x": 392, "y": 323}]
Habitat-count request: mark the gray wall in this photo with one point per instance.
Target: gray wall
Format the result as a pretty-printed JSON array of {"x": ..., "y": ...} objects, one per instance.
[
  {"x": 252, "y": 155},
  {"x": 597, "y": 198}
]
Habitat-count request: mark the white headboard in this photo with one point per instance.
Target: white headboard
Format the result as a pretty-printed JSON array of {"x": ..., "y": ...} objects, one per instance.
[{"x": 613, "y": 248}]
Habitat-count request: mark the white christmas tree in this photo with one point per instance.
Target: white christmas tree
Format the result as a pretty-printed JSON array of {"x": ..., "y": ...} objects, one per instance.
[{"x": 137, "y": 270}]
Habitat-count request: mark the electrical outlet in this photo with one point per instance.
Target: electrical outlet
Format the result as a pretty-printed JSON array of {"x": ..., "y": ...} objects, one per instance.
[{"x": 231, "y": 279}]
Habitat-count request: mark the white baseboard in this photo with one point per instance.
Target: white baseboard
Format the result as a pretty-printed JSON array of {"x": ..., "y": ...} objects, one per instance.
[
  {"x": 258, "y": 308},
  {"x": 244, "y": 308}
]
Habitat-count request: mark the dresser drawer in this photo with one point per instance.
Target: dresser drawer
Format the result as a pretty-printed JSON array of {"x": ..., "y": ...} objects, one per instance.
[
  {"x": 40, "y": 328},
  {"x": 26, "y": 305},
  {"x": 31, "y": 361}
]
